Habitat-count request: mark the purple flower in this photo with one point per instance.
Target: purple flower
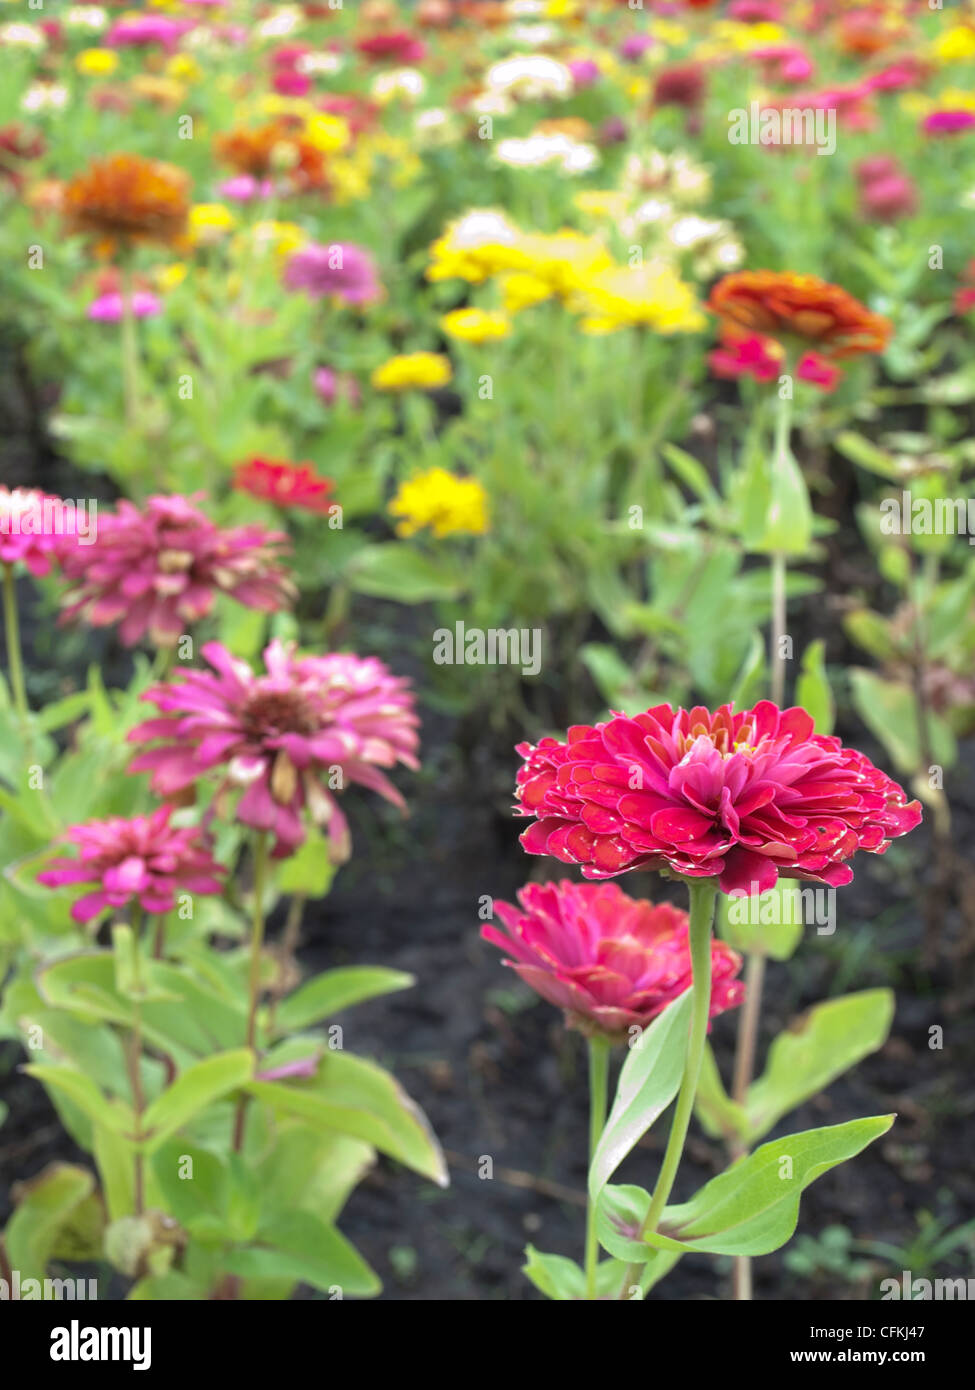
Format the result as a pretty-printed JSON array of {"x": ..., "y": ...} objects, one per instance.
[{"x": 342, "y": 270}]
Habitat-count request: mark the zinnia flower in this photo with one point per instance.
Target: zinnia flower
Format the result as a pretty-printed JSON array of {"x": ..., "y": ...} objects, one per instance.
[
  {"x": 741, "y": 797},
  {"x": 159, "y": 569},
  {"x": 145, "y": 859},
  {"x": 286, "y": 484},
  {"x": 782, "y": 304},
  {"x": 286, "y": 740},
  {"x": 342, "y": 269},
  {"x": 610, "y": 961},
  {"x": 126, "y": 199},
  {"x": 412, "y": 371},
  {"x": 442, "y": 501},
  {"x": 475, "y": 325},
  {"x": 107, "y": 308}
]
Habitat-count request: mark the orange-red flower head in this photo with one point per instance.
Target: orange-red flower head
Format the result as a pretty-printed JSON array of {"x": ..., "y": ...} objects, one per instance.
[
  {"x": 784, "y": 305},
  {"x": 127, "y": 198}
]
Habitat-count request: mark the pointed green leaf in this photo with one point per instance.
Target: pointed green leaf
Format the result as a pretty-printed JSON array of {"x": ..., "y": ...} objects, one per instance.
[
  {"x": 320, "y": 998},
  {"x": 198, "y": 1087}
]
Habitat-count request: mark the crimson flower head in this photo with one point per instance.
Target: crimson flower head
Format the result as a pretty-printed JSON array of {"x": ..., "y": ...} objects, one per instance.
[
  {"x": 740, "y": 797},
  {"x": 285, "y": 740},
  {"x": 157, "y": 569},
  {"x": 285, "y": 484},
  {"x": 144, "y": 859},
  {"x": 610, "y": 961}
]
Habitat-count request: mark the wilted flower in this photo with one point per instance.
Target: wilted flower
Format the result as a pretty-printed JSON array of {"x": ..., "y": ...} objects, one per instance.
[
  {"x": 126, "y": 199},
  {"x": 783, "y": 304},
  {"x": 412, "y": 371},
  {"x": 442, "y": 501},
  {"x": 610, "y": 961},
  {"x": 286, "y": 740},
  {"x": 342, "y": 270},
  {"x": 157, "y": 569},
  {"x": 144, "y": 859},
  {"x": 741, "y": 797},
  {"x": 285, "y": 484}
]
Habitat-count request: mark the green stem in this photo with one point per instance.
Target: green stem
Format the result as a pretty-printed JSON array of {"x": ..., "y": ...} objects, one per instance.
[
  {"x": 135, "y": 1062},
  {"x": 598, "y": 1088},
  {"x": 130, "y": 350},
  {"x": 15, "y": 662},
  {"x": 254, "y": 980},
  {"x": 703, "y": 892}
]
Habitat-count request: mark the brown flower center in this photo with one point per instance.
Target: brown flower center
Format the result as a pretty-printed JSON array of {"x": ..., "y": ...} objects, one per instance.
[{"x": 270, "y": 712}]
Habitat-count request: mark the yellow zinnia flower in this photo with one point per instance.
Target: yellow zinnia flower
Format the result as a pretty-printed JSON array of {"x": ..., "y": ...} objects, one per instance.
[
  {"x": 412, "y": 371},
  {"x": 96, "y": 62},
  {"x": 475, "y": 325},
  {"x": 647, "y": 296},
  {"x": 209, "y": 222},
  {"x": 441, "y": 501}
]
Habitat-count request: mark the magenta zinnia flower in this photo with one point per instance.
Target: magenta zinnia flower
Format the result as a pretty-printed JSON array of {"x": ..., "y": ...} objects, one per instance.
[
  {"x": 286, "y": 740},
  {"x": 610, "y": 961},
  {"x": 342, "y": 269},
  {"x": 159, "y": 569},
  {"x": 741, "y": 797},
  {"x": 145, "y": 859},
  {"x": 27, "y": 535}
]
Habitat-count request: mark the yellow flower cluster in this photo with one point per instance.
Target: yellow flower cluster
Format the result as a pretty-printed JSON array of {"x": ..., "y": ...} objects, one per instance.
[
  {"x": 441, "y": 502},
  {"x": 412, "y": 371},
  {"x": 475, "y": 325}
]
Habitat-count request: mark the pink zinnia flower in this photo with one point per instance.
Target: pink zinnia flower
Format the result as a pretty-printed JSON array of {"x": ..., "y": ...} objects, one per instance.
[
  {"x": 286, "y": 740},
  {"x": 948, "y": 122},
  {"x": 399, "y": 47},
  {"x": 331, "y": 386},
  {"x": 157, "y": 569},
  {"x": 753, "y": 356},
  {"x": 610, "y": 961},
  {"x": 738, "y": 796},
  {"x": 22, "y": 537},
  {"x": 343, "y": 270},
  {"x": 107, "y": 308},
  {"x": 145, "y": 859}
]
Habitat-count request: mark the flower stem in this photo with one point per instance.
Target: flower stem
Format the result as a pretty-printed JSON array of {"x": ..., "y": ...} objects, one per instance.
[
  {"x": 130, "y": 349},
  {"x": 135, "y": 1062},
  {"x": 598, "y": 1087},
  {"x": 254, "y": 981},
  {"x": 15, "y": 662},
  {"x": 703, "y": 892}
]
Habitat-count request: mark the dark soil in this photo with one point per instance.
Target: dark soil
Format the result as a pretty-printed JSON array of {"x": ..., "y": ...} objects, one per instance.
[{"x": 493, "y": 1067}]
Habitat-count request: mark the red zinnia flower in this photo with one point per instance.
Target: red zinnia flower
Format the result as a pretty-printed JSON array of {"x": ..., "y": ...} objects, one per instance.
[
  {"x": 741, "y": 797},
  {"x": 781, "y": 304},
  {"x": 285, "y": 484},
  {"x": 610, "y": 961}
]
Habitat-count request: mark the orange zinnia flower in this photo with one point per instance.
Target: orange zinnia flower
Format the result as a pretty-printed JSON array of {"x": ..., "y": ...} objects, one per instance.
[
  {"x": 783, "y": 304},
  {"x": 126, "y": 199},
  {"x": 277, "y": 147}
]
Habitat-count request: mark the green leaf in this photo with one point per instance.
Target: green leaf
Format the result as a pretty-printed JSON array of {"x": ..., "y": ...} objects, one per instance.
[
  {"x": 765, "y": 924},
  {"x": 310, "y": 871},
  {"x": 562, "y": 1280},
  {"x": 815, "y": 1049},
  {"x": 401, "y": 572},
  {"x": 889, "y": 710},
  {"x": 358, "y": 1098},
  {"x": 753, "y": 1207},
  {"x": 812, "y": 688},
  {"x": 298, "y": 1246},
  {"x": 649, "y": 1079},
  {"x": 46, "y": 1205},
  {"x": 198, "y": 1087},
  {"x": 114, "y": 1115},
  {"x": 326, "y": 994}
]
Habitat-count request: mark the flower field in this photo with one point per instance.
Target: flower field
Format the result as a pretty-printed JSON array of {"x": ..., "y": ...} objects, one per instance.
[{"x": 488, "y": 630}]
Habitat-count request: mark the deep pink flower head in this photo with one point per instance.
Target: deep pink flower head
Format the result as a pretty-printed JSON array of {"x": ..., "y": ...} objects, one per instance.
[
  {"x": 740, "y": 796},
  {"x": 26, "y": 537},
  {"x": 341, "y": 269},
  {"x": 610, "y": 961},
  {"x": 585, "y": 72},
  {"x": 286, "y": 740},
  {"x": 245, "y": 188},
  {"x": 144, "y": 859},
  {"x": 155, "y": 570},
  {"x": 398, "y": 47},
  {"x": 332, "y": 386},
  {"x": 948, "y": 122},
  {"x": 147, "y": 29},
  {"x": 107, "y": 308},
  {"x": 634, "y": 46},
  {"x": 888, "y": 199}
]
